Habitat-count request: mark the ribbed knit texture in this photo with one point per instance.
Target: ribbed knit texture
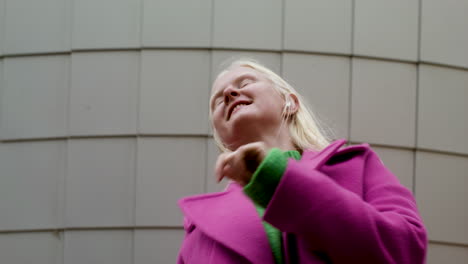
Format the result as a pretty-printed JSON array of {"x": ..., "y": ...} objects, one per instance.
[{"x": 261, "y": 188}]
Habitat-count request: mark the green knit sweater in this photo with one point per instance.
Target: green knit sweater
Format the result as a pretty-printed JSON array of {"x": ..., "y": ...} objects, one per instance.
[{"x": 261, "y": 188}]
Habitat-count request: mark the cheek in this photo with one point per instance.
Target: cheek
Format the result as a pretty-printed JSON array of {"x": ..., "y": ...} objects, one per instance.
[{"x": 217, "y": 117}]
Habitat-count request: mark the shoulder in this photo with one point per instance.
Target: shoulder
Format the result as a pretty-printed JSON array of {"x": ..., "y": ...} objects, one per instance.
[
  {"x": 352, "y": 153},
  {"x": 336, "y": 153},
  {"x": 362, "y": 162}
]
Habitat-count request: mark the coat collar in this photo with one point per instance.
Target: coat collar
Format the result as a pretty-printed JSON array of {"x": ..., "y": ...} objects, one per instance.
[
  {"x": 230, "y": 218},
  {"x": 317, "y": 158}
]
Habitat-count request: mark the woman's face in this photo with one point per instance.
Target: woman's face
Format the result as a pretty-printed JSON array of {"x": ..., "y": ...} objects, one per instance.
[{"x": 245, "y": 107}]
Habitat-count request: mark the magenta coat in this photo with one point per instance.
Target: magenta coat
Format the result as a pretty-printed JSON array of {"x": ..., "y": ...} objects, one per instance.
[{"x": 333, "y": 206}]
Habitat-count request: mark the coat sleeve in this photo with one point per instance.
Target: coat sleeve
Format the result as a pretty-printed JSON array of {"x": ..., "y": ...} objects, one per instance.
[{"x": 381, "y": 226}]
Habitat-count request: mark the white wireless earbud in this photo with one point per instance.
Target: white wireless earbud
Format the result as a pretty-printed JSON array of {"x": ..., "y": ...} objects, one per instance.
[{"x": 288, "y": 104}]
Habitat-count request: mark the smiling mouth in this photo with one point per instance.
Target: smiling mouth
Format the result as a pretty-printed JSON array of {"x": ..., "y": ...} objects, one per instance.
[{"x": 236, "y": 108}]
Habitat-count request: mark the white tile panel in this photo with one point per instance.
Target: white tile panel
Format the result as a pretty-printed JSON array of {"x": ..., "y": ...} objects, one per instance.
[
  {"x": 31, "y": 173},
  {"x": 100, "y": 182},
  {"x": 443, "y": 109},
  {"x": 440, "y": 253},
  {"x": 98, "y": 246},
  {"x": 106, "y": 24},
  {"x": 37, "y": 247},
  {"x": 37, "y": 26},
  {"x": 441, "y": 182},
  {"x": 248, "y": 24},
  {"x": 324, "y": 82},
  {"x": 444, "y": 38},
  {"x": 386, "y": 28},
  {"x": 318, "y": 25},
  {"x": 174, "y": 92},
  {"x": 61, "y": 186},
  {"x": 34, "y": 97},
  {"x": 400, "y": 162},
  {"x": 2, "y": 24},
  {"x": 157, "y": 246},
  {"x": 2, "y": 85},
  {"x": 383, "y": 102},
  {"x": 177, "y": 23},
  {"x": 168, "y": 169},
  {"x": 104, "y": 93}
]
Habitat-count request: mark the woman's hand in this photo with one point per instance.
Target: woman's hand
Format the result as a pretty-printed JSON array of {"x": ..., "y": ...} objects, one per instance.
[{"x": 240, "y": 164}]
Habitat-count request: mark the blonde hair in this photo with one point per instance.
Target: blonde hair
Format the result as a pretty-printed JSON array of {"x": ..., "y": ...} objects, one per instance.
[{"x": 306, "y": 130}]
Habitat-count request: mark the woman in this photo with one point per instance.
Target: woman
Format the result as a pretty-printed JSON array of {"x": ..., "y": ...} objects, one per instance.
[{"x": 294, "y": 196}]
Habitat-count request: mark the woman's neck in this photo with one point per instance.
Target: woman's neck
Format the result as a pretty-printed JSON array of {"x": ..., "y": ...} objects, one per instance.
[{"x": 282, "y": 141}]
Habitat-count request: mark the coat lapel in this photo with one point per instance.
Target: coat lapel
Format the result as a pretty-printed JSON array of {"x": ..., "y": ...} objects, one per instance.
[{"x": 231, "y": 219}]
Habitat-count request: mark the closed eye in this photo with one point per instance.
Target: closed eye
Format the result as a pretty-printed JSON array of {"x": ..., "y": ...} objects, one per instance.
[
  {"x": 218, "y": 101},
  {"x": 245, "y": 82}
]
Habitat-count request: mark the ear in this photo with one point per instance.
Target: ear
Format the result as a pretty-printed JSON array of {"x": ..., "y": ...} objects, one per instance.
[{"x": 294, "y": 103}]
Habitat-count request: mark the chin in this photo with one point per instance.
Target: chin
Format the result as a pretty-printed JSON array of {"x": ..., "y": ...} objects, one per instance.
[
  {"x": 243, "y": 129},
  {"x": 243, "y": 121}
]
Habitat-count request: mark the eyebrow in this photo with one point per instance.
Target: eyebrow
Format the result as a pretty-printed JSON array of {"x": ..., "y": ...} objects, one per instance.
[{"x": 236, "y": 80}]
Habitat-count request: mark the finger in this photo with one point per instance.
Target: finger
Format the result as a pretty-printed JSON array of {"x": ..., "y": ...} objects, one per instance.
[
  {"x": 237, "y": 170},
  {"x": 250, "y": 157},
  {"x": 226, "y": 172},
  {"x": 228, "y": 166},
  {"x": 219, "y": 167}
]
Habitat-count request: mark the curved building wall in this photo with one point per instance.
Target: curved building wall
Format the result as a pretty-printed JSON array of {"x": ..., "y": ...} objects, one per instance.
[{"x": 104, "y": 111}]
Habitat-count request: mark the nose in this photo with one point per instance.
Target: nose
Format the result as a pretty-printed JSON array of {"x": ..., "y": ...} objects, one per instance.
[{"x": 230, "y": 93}]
